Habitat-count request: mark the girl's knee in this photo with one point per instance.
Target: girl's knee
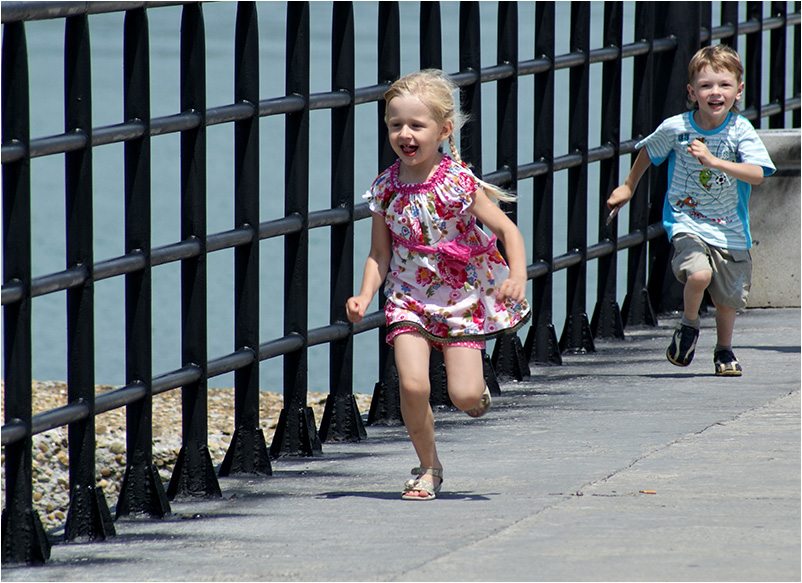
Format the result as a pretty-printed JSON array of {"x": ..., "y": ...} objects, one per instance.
[
  {"x": 466, "y": 395},
  {"x": 416, "y": 389}
]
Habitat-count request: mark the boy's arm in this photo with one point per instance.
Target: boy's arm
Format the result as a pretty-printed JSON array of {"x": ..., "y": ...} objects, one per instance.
[
  {"x": 742, "y": 171},
  {"x": 621, "y": 195},
  {"x": 376, "y": 266}
]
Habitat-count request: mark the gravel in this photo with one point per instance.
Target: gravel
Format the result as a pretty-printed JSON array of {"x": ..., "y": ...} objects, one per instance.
[{"x": 51, "y": 449}]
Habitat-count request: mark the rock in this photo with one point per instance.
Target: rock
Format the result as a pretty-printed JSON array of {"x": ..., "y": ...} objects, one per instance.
[{"x": 50, "y": 466}]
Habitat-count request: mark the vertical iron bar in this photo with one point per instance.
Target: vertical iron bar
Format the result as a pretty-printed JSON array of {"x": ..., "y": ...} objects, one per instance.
[
  {"x": 576, "y": 336},
  {"x": 23, "y": 537},
  {"x": 88, "y": 516},
  {"x": 341, "y": 419},
  {"x": 247, "y": 452},
  {"x": 470, "y": 61},
  {"x": 777, "y": 58},
  {"x": 795, "y": 117},
  {"x": 606, "y": 321},
  {"x": 508, "y": 358},
  {"x": 431, "y": 44},
  {"x": 389, "y": 71},
  {"x": 637, "y": 308},
  {"x": 705, "y": 23},
  {"x": 680, "y": 20},
  {"x": 193, "y": 474},
  {"x": 385, "y": 406},
  {"x": 541, "y": 346},
  {"x": 142, "y": 491},
  {"x": 296, "y": 433},
  {"x": 753, "y": 64},
  {"x": 729, "y": 17}
]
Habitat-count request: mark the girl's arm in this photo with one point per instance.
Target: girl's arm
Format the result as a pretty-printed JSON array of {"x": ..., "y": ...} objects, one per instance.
[
  {"x": 507, "y": 232},
  {"x": 622, "y": 195},
  {"x": 376, "y": 266},
  {"x": 739, "y": 170}
]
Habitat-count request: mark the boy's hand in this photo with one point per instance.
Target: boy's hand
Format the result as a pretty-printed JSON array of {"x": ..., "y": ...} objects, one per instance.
[
  {"x": 698, "y": 149},
  {"x": 511, "y": 289},
  {"x": 355, "y": 309},
  {"x": 619, "y": 197}
]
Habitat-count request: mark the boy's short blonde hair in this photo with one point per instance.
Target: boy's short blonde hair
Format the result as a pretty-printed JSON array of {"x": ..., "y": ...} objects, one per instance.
[{"x": 719, "y": 58}]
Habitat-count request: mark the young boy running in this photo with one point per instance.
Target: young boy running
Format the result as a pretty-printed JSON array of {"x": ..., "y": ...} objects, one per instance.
[{"x": 714, "y": 156}]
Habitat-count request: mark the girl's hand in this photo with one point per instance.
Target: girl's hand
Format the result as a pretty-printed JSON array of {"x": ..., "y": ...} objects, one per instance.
[
  {"x": 511, "y": 289},
  {"x": 355, "y": 308},
  {"x": 698, "y": 149}
]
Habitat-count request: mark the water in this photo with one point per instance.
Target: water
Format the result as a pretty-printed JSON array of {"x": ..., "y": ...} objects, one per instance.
[{"x": 46, "y": 79}]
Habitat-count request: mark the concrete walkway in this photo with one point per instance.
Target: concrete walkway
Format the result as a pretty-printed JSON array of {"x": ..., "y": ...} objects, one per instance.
[{"x": 616, "y": 466}]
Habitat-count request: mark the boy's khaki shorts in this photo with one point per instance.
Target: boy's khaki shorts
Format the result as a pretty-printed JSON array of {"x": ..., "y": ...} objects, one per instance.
[{"x": 732, "y": 268}]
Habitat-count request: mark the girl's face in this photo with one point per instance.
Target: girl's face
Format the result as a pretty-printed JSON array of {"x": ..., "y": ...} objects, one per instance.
[
  {"x": 715, "y": 92},
  {"x": 415, "y": 136}
]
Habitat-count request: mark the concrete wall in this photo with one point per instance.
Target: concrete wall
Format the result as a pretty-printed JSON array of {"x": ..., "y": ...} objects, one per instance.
[{"x": 774, "y": 211}]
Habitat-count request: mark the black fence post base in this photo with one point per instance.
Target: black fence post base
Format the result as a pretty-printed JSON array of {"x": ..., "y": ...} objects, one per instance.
[
  {"x": 26, "y": 542},
  {"x": 606, "y": 321},
  {"x": 296, "y": 434},
  {"x": 541, "y": 346},
  {"x": 142, "y": 493},
  {"x": 438, "y": 381},
  {"x": 508, "y": 358},
  {"x": 637, "y": 309},
  {"x": 247, "y": 454},
  {"x": 88, "y": 517},
  {"x": 491, "y": 380},
  {"x": 581, "y": 345},
  {"x": 341, "y": 420},
  {"x": 385, "y": 406},
  {"x": 193, "y": 475}
]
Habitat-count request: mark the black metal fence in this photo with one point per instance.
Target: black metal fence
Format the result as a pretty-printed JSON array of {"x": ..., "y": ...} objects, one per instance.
[{"x": 667, "y": 34}]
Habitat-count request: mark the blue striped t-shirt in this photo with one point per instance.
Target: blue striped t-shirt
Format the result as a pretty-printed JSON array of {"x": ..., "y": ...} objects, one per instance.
[{"x": 707, "y": 203}]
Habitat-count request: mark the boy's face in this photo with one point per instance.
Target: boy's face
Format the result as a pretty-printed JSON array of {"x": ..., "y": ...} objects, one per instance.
[{"x": 715, "y": 92}]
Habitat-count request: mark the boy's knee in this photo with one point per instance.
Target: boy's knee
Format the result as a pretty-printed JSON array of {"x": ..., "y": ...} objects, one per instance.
[{"x": 703, "y": 277}]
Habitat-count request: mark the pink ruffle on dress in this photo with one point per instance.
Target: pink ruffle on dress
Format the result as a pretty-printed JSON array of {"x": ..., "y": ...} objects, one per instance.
[{"x": 444, "y": 271}]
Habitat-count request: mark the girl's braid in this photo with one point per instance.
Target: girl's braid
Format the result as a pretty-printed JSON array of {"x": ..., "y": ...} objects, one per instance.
[{"x": 454, "y": 152}]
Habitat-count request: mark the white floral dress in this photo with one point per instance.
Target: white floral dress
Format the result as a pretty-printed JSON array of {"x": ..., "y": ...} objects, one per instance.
[{"x": 444, "y": 271}]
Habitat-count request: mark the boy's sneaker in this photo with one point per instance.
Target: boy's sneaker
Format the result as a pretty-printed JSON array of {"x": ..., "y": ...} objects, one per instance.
[
  {"x": 726, "y": 364},
  {"x": 683, "y": 345}
]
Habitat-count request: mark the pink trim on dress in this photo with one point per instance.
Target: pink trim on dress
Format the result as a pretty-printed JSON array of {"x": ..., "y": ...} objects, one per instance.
[{"x": 477, "y": 344}]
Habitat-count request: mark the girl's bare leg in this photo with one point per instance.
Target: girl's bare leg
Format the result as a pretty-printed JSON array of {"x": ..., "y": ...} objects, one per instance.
[
  {"x": 466, "y": 378},
  {"x": 412, "y": 361}
]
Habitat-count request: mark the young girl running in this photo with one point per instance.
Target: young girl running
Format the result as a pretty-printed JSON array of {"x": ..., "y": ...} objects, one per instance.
[{"x": 447, "y": 286}]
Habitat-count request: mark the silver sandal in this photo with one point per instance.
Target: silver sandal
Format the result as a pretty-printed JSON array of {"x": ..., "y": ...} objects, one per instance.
[{"x": 417, "y": 485}]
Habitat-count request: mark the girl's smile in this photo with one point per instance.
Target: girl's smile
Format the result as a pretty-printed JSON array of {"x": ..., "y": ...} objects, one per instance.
[{"x": 415, "y": 137}]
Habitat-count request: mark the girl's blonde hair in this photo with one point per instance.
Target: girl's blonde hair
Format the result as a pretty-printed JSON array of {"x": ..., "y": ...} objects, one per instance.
[
  {"x": 719, "y": 58},
  {"x": 436, "y": 89}
]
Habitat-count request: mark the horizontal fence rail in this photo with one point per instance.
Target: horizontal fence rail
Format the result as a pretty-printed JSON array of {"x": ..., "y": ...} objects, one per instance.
[{"x": 667, "y": 35}]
